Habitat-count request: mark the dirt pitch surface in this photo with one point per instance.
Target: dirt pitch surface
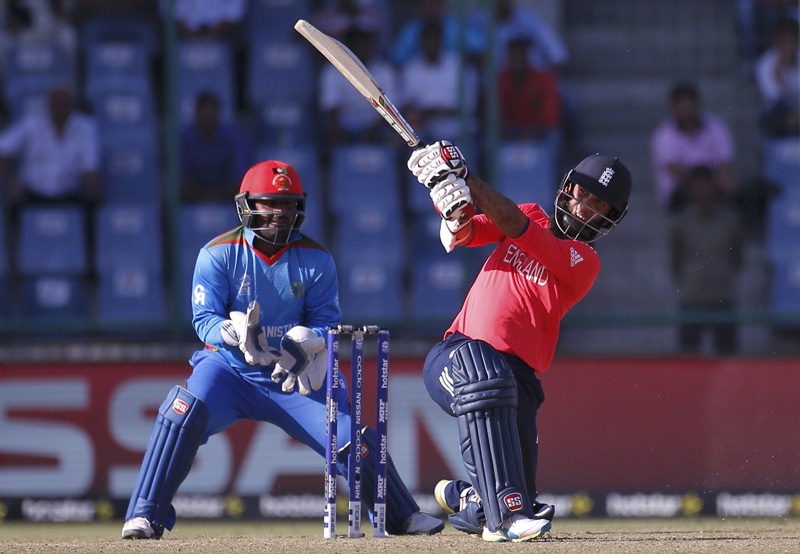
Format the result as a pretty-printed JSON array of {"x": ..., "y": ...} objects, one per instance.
[{"x": 568, "y": 536}]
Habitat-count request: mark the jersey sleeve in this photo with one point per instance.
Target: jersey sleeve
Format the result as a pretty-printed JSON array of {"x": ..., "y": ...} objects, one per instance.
[
  {"x": 209, "y": 298},
  {"x": 484, "y": 231},
  {"x": 322, "y": 298},
  {"x": 570, "y": 261}
]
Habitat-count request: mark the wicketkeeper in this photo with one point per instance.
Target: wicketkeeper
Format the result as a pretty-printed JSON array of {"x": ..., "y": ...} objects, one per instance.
[
  {"x": 263, "y": 298},
  {"x": 484, "y": 372}
]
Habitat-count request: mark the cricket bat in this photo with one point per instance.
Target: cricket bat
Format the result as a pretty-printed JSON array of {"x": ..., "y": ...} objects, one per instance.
[{"x": 354, "y": 71}]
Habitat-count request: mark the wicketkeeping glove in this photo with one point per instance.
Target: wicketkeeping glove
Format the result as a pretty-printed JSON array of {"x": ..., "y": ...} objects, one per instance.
[
  {"x": 243, "y": 330},
  {"x": 431, "y": 163},
  {"x": 302, "y": 361}
]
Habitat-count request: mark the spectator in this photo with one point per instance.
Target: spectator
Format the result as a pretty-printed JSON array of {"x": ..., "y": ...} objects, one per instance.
[
  {"x": 38, "y": 22},
  {"x": 706, "y": 256},
  {"x": 547, "y": 52},
  {"x": 216, "y": 20},
  {"x": 338, "y": 17},
  {"x": 754, "y": 21},
  {"x": 546, "y": 49},
  {"x": 778, "y": 78},
  {"x": 346, "y": 116},
  {"x": 408, "y": 44},
  {"x": 432, "y": 89},
  {"x": 529, "y": 102},
  {"x": 51, "y": 157},
  {"x": 214, "y": 155},
  {"x": 686, "y": 139}
]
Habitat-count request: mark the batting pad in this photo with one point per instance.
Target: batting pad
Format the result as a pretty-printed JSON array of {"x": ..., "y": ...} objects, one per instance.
[
  {"x": 400, "y": 504},
  {"x": 486, "y": 407},
  {"x": 177, "y": 434}
]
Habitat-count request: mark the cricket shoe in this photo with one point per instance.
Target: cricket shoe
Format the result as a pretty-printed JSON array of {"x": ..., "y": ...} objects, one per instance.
[
  {"x": 544, "y": 511},
  {"x": 454, "y": 495},
  {"x": 139, "y": 528},
  {"x": 517, "y": 529},
  {"x": 419, "y": 523},
  {"x": 462, "y": 502}
]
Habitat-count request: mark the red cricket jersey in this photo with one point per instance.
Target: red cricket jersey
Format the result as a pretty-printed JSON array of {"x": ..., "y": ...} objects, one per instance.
[{"x": 525, "y": 287}]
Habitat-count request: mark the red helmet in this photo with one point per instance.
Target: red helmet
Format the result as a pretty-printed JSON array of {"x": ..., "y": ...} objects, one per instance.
[{"x": 271, "y": 180}]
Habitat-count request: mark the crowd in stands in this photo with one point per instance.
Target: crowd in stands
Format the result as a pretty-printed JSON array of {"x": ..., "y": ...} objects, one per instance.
[
  {"x": 85, "y": 110},
  {"x": 712, "y": 211},
  {"x": 85, "y": 107}
]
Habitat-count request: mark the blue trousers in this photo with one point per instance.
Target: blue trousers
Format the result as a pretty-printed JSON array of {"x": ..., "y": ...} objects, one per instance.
[
  {"x": 530, "y": 397},
  {"x": 231, "y": 397}
]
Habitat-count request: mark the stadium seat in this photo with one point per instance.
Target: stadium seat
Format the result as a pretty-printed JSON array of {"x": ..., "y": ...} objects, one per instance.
[
  {"x": 205, "y": 66},
  {"x": 419, "y": 198},
  {"x": 528, "y": 172},
  {"x": 119, "y": 66},
  {"x": 438, "y": 288},
  {"x": 364, "y": 174},
  {"x": 56, "y": 298},
  {"x": 285, "y": 123},
  {"x": 31, "y": 71},
  {"x": 370, "y": 293},
  {"x": 199, "y": 224},
  {"x": 129, "y": 28},
  {"x": 782, "y": 163},
  {"x": 130, "y": 171},
  {"x": 783, "y": 226},
  {"x": 276, "y": 18},
  {"x": 128, "y": 237},
  {"x": 52, "y": 241},
  {"x": 279, "y": 70},
  {"x": 124, "y": 117},
  {"x": 370, "y": 234},
  {"x": 424, "y": 237},
  {"x": 131, "y": 294}
]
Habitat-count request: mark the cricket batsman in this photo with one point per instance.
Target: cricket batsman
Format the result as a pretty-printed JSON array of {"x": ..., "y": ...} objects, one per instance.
[
  {"x": 485, "y": 371},
  {"x": 263, "y": 298}
]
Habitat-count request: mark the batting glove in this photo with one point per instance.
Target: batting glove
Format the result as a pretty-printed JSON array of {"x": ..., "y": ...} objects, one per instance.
[
  {"x": 452, "y": 198},
  {"x": 243, "y": 330},
  {"x": 302, "y": 361},
  {"x": 432, "y": 163}
]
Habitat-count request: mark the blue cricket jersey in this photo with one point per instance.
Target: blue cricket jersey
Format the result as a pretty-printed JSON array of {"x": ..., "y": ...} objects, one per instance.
[{"x": 296, "y": 286}]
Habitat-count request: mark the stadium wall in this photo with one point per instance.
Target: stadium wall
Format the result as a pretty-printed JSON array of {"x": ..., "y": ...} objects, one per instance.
[{"x": 623, "y": 437}]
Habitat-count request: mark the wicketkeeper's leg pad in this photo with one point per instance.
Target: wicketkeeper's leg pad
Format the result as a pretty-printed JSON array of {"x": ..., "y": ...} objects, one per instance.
[
  {"x": 400, "y": 504},
  {"x": 176, "y": 436},
  {"x": 485, "y": 396}
]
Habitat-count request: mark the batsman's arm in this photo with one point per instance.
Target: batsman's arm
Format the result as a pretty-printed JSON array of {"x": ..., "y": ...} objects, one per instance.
[{"x": 503, "y": 212}]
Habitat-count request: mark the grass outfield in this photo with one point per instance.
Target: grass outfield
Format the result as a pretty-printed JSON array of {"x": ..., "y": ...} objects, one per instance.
[{"x": 653, "y": 536}]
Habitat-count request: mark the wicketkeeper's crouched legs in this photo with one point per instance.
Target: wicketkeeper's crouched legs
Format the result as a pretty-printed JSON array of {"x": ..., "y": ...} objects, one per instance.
[
  {"x": 176, "y": 436},
  {"x": 400, "y": 504}
]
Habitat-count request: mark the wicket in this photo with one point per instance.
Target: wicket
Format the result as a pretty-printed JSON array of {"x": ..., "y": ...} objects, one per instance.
[{"x": 355, "y": 462}]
